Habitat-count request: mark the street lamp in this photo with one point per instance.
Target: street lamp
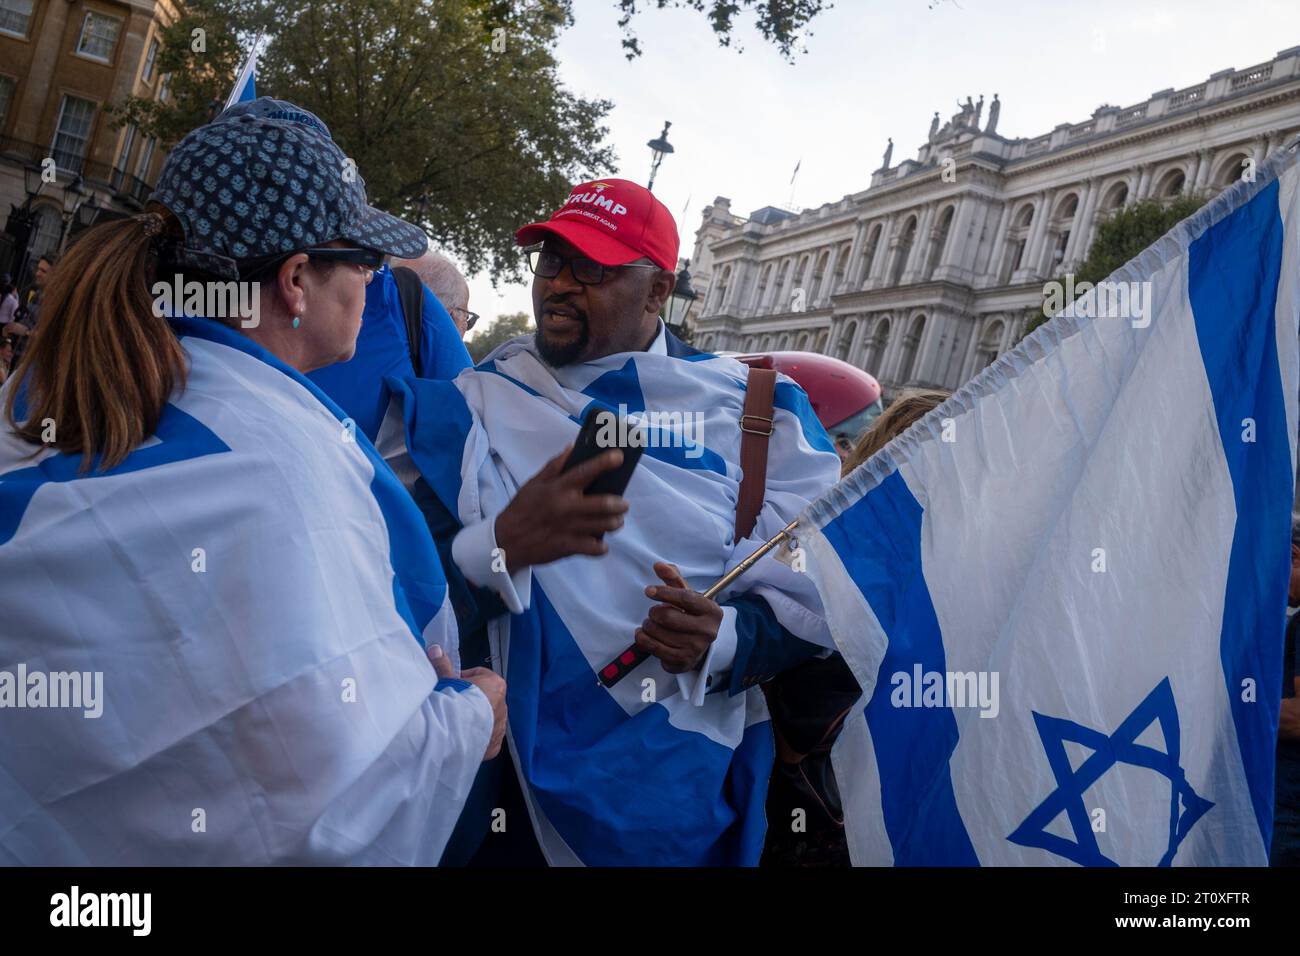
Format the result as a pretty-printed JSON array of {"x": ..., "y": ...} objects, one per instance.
[
  {"x": 659, "y": 148},
  {"x": 32, "y": 181},
  {"x": 679, "y": 303},
  {"x": 74, "y": 195},
  {"x": 88, "y": 213}
]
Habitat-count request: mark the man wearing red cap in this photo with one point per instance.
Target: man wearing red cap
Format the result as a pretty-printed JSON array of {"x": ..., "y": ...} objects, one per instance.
[
  {"x": 549, "y": 584},
  {"x": 608, "y": 228}
]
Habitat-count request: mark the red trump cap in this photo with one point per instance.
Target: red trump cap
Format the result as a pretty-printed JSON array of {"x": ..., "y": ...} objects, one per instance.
[{"x": 613, "y": 221}]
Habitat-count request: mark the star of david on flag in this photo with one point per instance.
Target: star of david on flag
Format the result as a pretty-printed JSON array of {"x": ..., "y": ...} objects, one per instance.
[{"x": 1185, "y": 806}]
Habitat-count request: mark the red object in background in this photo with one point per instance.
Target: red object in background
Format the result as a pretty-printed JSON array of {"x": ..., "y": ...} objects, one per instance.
[{"x": 845, "y": 398}]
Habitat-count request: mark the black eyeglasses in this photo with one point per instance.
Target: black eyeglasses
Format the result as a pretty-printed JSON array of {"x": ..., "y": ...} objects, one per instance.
[
  {"x": 586, "y": 271},
  {"x": 469, "y": 317}
]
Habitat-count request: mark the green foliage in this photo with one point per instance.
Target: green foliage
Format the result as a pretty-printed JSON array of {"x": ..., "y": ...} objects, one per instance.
[
  {"x": 452, "y": 109},
  {"x": 780, "y": 22},
  {"x": 1123, "y": 235},
  {"x": 505, "y": 327},
  {"x": 201, "y": 52}
]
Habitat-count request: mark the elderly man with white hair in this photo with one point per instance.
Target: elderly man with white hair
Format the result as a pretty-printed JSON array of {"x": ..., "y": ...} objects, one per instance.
[
  {"x": 385, "y": 347},
  {"x": 447, "y": 284}
]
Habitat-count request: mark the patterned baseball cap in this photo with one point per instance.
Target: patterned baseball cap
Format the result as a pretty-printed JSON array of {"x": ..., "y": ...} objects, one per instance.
[{"x": 265, "y": 178}]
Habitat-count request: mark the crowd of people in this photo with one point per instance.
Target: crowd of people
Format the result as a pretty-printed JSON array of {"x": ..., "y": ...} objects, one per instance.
[
  {"x": 346, "y": 597},
  {"x": 18, "y": 312}
]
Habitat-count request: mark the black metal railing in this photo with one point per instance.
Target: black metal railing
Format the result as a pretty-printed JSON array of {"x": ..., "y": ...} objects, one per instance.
[{"x": 124, "y": 187}]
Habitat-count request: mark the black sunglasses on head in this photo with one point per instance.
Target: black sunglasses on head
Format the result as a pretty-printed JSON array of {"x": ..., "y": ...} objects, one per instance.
[{"x": 547, "y": 265}]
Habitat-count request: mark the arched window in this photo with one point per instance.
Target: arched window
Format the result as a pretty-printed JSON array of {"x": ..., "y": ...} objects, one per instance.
[
  {"x": 820, "y": 345},
  {"x": 938, "y": 241},
  {"x": 1013, "y": 254},
  {"x": 720, "y": 299},
  {"x": 841, "y": 267},
  {"x": 869, "y": 252},
  {"x": 761, "y": 291},
  {"x": 990, "y": 344},
  {"x": 847, "y": 334},
  {"x": 1171, "y": 184},
  {"x": 911, "y": 346},
  {"x": 1115, "y": 197},
  {"x": 1061, "y": 225},
  {"x": 906, "y": 238},
  {"x": 778, "y": 289},
  {"x": 1230, "y": 171},
  {"x": 814, "y": 295},
  {"x": 801, "y": 282},
  {"x": 877, "y": 347}
]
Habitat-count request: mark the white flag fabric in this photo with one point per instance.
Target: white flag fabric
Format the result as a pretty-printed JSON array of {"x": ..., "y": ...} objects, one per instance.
[
  {"x": 652, "y": 771},
  {"x": 250, "y": 586},
  {"x": 1063, "y": 592}
]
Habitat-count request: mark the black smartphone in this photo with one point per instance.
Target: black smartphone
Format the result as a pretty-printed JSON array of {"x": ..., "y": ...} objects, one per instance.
[{"x": 611, "y": 482}]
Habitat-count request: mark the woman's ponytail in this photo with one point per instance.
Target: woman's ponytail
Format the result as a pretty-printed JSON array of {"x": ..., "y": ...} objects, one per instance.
[{"x": 101, "y": 364}]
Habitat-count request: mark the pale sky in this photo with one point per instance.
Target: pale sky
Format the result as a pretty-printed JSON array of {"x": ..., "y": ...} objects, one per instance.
[{"x": 875, "y": 69}]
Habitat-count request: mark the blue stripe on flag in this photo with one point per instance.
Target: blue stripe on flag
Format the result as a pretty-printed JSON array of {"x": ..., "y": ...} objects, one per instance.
[
  {"x": 1233, "y": 272},
  {"x": 181, "y": 437},
  {"x": 795, "y": 401},
  {"x": 438, "y": 420},
  {"x": 491, "y": 366},
  {"x": 913, "y": 745},
  {"x": 620, "y": 386},
  {"x": 621, "y": 787},
  {"x": 668, "y": 446}
]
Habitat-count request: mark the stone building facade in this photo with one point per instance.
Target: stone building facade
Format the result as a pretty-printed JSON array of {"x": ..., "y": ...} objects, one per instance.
[
  {"x": 61, "y": 63},
  {"x": 934, "y": 269}
]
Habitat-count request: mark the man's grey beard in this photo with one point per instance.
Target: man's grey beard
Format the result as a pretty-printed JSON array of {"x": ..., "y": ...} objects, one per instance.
[{"x": 556, "y": 356}]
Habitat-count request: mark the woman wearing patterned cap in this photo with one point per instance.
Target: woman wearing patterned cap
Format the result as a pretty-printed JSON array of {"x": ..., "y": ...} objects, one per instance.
[{"x": 218, "y": 657}]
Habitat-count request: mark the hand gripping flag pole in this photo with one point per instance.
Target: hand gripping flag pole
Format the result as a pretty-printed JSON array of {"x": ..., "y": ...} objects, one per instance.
[{"x": 630, "y": 659}]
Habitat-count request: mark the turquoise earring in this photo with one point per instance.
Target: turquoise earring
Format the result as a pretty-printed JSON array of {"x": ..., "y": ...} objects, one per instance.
[{"x": 296, "y": 320}]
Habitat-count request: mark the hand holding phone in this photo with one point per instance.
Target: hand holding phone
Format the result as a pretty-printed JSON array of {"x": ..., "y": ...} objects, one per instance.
[
  {"x": 568, "y": 506},
  {"x": 587, "y": 447}
]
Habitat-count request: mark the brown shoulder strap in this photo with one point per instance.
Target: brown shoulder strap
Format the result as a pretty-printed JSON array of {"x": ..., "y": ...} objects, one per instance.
[{"x": 756, "y": 423}]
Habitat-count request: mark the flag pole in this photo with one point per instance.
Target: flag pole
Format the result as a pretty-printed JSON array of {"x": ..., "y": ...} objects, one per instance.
[
  {"x": 249, "y": 64},
  {"x": 630, "y": 659}
]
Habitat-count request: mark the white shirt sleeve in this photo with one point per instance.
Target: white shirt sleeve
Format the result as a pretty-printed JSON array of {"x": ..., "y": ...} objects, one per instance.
[
  {"x": 475, "y": 551},
  {"x": 717, "y": 662}
]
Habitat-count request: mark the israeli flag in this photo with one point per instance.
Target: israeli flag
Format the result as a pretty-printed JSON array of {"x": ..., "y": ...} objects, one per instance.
[
  {"x": 245, "y": 88},
  {"x": 653, "y": 771},
  {"x": 1063, "y": 592},
  {"x": 245, "y": 598}
]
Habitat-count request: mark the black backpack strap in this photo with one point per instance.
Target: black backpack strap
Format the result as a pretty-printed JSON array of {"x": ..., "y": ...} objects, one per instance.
[{"x": 410, "y": 292}]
